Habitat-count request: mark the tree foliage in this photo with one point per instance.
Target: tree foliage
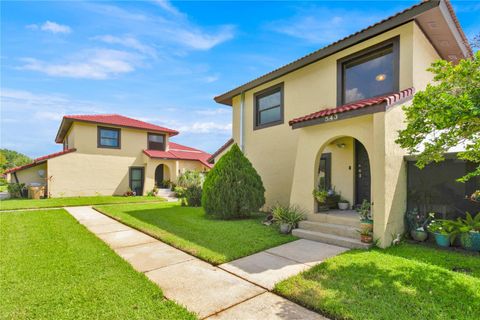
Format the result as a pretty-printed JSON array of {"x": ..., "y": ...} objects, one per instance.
[
  {"x": 446, "y": 115},
  {"x": 10, "y": 159},
  {"x": 233, "y": 188},
  {"x": 190, "y": 183}
]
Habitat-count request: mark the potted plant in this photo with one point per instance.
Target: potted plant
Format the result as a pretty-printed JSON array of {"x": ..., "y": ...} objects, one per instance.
[
  {"x": 417, "y": 224},
  {"x": 332, "y": 199},
  {"x": 366, "y": 235},
  {"x": 287, "y": 217},
  {"x": 442, "y": 231},
  {"x": 343, "y": 204},
  {"x": 469, "y": 231},
  {"x": 366, "y": 221},
  {"x": 321, "y": 197}
]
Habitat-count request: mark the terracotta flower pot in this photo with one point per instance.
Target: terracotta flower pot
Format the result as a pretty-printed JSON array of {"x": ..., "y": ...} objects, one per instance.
[
  {"x": 366, "y": 225},
  {"x": 366, "y": 238}
]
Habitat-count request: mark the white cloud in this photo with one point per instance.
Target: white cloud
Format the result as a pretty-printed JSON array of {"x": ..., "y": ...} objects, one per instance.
[
  {"x": 90, "y": 64},
  {"x": 42, "y": 106},
  {"x": 167, "y": 6},
  {"x": 214, "y": 111},
  {"x": 50, "y": 26},
  {"x": 172, "y": 28},
  {"x": 353, "y": 95},
  {"x": 206, "y": 127},
  {"x": 323, "y": 25},
  {"x": 129, "y": 42}
]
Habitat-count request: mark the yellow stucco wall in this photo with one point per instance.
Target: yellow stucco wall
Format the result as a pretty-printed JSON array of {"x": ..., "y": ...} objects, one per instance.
[
  {"x": 287, "y": 159},
  {"x": 30, "y": 175},
  {"x": 273, "y": 150}
]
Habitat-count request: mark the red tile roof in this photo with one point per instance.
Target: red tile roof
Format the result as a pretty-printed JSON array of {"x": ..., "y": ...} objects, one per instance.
[
  {"x": 223, "y": 147},
  {"x": 388, "y": 99},
  {"x": 180, "y": 152},
  {"x": 110, "y": 119},
  {"x": 40, "y": 160}
]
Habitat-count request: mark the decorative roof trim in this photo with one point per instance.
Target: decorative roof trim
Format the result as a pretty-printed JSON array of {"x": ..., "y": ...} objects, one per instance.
[{"x": 383, "y": 101}]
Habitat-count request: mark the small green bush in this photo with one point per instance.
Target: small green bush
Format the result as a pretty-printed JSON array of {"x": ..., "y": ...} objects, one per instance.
[
  {"x": 189, "y": 188},
  {"x": 233, "y": 188},
  {"x": 290, "y": 215}
]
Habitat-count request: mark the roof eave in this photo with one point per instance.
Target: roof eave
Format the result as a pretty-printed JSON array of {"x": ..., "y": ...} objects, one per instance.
[{"x": 333, "y": 48}]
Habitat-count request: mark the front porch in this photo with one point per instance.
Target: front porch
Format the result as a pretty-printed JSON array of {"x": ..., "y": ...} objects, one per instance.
[{"x": 337, "y": 227}]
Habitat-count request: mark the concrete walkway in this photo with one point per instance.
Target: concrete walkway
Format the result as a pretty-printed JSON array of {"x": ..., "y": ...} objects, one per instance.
[{"x": 234, "y": 290}]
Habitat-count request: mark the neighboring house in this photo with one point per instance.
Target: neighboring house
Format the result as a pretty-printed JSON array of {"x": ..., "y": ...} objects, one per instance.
[
  {"x": 220, "y": 152},
  {"x": 331, "y": 118},
  {"x": 108, "y": 155}
]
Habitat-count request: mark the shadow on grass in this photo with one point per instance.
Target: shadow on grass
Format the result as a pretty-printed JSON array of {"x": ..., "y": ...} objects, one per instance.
[
  {"x": 373, "y": 285},
  {"x": 190, "y": 229}
]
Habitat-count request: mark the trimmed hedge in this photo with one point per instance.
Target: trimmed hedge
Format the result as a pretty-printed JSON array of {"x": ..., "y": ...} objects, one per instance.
[{"x": 233, "y": 188}]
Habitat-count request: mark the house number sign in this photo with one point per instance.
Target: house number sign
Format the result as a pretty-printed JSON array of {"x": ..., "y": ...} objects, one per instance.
[{"x": 331, "y": 118}]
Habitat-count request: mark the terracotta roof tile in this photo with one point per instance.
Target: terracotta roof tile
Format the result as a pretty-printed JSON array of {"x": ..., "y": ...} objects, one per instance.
[
  {"x": 180, "y": 152},
  {"x": 389, "y": 99},
  {"x": 119, "y": 120},
  {"x": 40, "y": 160}
]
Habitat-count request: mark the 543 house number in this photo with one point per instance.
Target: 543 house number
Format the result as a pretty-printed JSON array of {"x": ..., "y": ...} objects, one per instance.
[{"x": 331, "y": 118}]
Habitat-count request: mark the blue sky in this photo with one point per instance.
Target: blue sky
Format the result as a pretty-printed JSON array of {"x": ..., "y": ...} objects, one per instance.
[{"x": 158, "y": 61}]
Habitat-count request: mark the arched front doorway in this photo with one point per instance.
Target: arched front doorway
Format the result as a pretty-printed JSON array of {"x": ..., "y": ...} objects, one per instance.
[
  {"x": 362, "y": 174},
  {"x": 159, "y": 175},
  {"x": 343, "y": 165}
]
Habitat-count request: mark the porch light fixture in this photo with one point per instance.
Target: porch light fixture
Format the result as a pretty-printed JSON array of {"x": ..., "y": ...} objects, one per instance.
[
  {"x": 381, "y": 77},
  {"x": 341, "y": 145}
]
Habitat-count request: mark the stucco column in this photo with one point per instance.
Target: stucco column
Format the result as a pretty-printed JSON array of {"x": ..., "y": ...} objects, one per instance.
[{"x": 377, "y": 168}]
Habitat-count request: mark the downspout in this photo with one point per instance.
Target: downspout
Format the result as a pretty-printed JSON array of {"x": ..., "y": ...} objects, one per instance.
[{"x": 242, "y": 106}]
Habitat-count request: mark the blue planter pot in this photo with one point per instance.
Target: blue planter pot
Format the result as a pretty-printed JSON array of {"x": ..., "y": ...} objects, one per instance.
[
  {"x": 442, "y": 240},
  {"x": 471, "y": 241}
]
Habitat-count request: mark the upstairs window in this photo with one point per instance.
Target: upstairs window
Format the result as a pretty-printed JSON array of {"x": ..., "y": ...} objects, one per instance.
[
  {"x": 269, "y": 107},
  {"x": 369, "y": 73},
  {"x": 156, "y": 141},
  {"x": 108, "y": 138}
]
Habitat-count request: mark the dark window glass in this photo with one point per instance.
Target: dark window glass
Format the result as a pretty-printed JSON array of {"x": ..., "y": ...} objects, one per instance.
[
  {"x": 269, "y": 107},
  {"x": 369, "y": 76},
  {"x": 109, "y": 138},
  {"x": 136, "y": 180},
  {"x": 324, "y": 172},
  {"x": 156, "y": 141}
]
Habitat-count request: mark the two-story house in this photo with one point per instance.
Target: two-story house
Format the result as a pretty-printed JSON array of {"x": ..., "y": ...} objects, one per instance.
[
  {"x": 108, "y": 155},
  {"x": 330, "y": 119}
]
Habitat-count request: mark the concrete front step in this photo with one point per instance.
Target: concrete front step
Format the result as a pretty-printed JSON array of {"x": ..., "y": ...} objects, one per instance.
[
  {"x": 330, "y": 239},
  {"x": 335, "y": 218},
  {"x": 330, "y": 228}
]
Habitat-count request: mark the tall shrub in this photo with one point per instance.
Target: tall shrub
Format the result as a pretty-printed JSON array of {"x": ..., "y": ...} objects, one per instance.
[{"x": 233, "y": 188}]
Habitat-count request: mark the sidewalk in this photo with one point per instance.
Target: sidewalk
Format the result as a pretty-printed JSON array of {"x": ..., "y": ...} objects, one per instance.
[{"x": 235, "y": 290}]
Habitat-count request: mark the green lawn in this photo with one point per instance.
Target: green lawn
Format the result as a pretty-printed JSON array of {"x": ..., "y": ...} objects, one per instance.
[
  {"x": 187, "y": 228},
  {"x": 12, "y": 204},
  {"x": 403, "y": 282},
  {"x": 51, "y": 267}
]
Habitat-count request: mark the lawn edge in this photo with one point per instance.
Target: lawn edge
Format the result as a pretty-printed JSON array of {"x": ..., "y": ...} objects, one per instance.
[{"x": 84, "y": 205}]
